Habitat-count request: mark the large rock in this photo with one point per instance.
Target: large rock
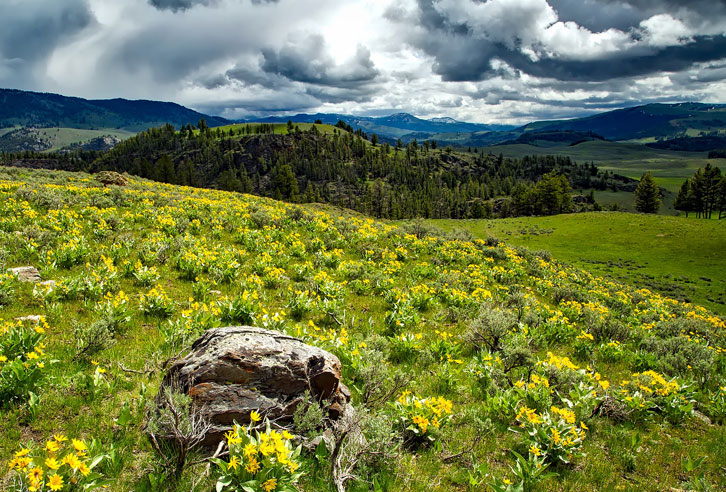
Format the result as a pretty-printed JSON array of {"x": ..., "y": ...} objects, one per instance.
[
  {"x": 234, "y": 370},
  {"x": 26, "y": 273},
  {"x": 111, "y": 178}
]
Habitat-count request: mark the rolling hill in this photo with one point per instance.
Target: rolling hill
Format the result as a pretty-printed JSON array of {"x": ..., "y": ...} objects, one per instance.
[
  {"x": 34, "y": 109},
  {"x": 650, "y": 120}
]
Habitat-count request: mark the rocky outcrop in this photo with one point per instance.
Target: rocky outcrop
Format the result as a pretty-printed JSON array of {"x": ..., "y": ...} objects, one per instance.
[{"x": 234, "y": 370}]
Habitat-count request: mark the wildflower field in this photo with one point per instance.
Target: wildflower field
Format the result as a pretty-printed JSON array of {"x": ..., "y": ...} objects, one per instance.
[
  {"x": 474, "y": 365},
  {"x": 679, "y": 257}
]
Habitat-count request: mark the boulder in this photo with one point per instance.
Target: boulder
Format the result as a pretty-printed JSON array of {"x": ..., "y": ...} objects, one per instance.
[
  {"x": 235, "y": 370},
  {"x": 111, "y": 178},
  {"x": 26, "y": 273}
]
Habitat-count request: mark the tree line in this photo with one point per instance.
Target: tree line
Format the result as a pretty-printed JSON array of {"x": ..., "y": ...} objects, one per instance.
[{"x": 704, "y": 193}]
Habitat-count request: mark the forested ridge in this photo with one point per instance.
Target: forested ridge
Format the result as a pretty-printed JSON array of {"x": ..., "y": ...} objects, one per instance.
[{"x": 343, "y": 168}]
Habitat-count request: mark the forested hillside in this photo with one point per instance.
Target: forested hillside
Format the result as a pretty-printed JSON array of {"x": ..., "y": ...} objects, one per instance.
[
  {"x": 326, "y": 164},
  {"x": 36, "y": 109}
]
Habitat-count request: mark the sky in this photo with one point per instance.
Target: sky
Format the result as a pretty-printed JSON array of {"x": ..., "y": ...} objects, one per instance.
[{"x": 487, "y": 61}]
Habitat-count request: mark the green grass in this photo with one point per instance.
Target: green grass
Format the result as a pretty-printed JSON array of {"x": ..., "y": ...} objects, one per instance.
[
  {"x": 280, "y": 128},
  {"x": 670, "y": 168},
  {"x": 628, "y": 159},
  {"x": 673, "y": 255},
  {"x": 62, "y": 137},
  {"x": 364, "y": 276},
  {"x": 3, "y": 131}
]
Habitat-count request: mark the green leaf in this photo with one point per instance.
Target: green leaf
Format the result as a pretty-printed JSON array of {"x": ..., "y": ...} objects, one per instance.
[
  {"x": 321, "y": 452},
  {"x": 124, "y": 417}
]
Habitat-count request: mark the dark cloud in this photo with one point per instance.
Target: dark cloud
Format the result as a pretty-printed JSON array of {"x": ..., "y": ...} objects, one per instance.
[
  {"x": 32, "y": 29},
  {"x": 308, "y": 61},
  {"x": 668, "y": 59},
  {"x": 30, "y": 32},
  {"x": 597, "y": 15},
  {"x": 462, "y": 55},
  {"x": 180, "y": 5},
  {"x": 650, "y": 6}
]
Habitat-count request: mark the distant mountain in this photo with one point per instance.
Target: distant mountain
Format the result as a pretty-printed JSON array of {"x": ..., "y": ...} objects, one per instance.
[
  {"x": 35, "y": 109},
  {"x": 682, "y": 121},
  {"x": 651, "y": 120},
  {"x": 399, "y": 125}
]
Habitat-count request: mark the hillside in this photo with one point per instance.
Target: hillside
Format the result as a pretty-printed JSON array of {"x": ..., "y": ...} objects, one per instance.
[
  {"x": 391, "y": 127},
  {"x": 650, "y": 120},
  {"x": 34, "y": 109},
  {"x": 676, "y": 256},
  {"x": 322, "y": 163},
  {"x": 458, "y": 352},
  {"x": 51, "y": 138}
]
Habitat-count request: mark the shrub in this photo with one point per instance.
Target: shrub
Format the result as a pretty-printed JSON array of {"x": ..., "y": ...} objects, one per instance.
[
  {"x": 93, "y": 338},
  {"x": 676, "y": 356},
  {"x": 176, "y": 428},
  {"x": 490, "y": 327}
]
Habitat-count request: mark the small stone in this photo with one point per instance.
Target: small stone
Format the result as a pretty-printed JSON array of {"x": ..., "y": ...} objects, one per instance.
[
  {"x": 215, "y": 292},
  {"x": 703, "y": 418},
  {"x": 48, "y": 283},
  {"x": 26, "y": 273},
  {"x": 34, "y": 318}
]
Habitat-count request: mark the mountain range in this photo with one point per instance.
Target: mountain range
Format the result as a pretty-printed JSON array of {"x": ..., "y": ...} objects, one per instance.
[
  {"x": 683, "y": 126},
  {"x": 35, "y": 109}
]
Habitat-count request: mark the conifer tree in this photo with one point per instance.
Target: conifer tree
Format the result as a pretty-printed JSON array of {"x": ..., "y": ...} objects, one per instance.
[{"x": 647, "y": 195}]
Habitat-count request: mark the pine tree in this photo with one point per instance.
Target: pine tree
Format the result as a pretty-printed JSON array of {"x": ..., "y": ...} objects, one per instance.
[
  {"x": 684, "y": 199},
  {"x": 647, "y": 195}
]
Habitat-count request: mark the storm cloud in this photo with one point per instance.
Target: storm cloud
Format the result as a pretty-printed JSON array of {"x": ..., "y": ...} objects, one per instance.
[{"x": 506, "y": 61}]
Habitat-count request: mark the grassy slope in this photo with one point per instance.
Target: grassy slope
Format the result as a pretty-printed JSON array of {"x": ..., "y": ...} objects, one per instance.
[
  {"x": 62, "y": 137},
  {"x": 628, "y": 159},
  {"x": 480, "y": 434},
  {"x": 281, "y": 128},
  {"x": 670, "y": 168},
  {"x": 671, "y": 254}
]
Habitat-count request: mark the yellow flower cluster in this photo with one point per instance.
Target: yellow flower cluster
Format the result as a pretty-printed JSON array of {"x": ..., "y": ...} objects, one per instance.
[
  {"x": 419, "y": 414},
  {"x": 266, "y": 459},
  {"x": 559, "y": 362},
  {"x": 62, "y": 463}
]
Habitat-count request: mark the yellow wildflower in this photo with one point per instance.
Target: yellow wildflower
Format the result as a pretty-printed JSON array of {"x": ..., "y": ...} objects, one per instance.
[{"x": 270, "y": 485}]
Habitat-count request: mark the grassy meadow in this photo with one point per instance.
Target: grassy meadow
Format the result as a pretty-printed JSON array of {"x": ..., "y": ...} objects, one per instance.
[
  {"x": 670, "y": 168},
  {"x": 473, "y": 364},
  {"x": 62, "y": 137},
  {"x": 677, "y": 256}
]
